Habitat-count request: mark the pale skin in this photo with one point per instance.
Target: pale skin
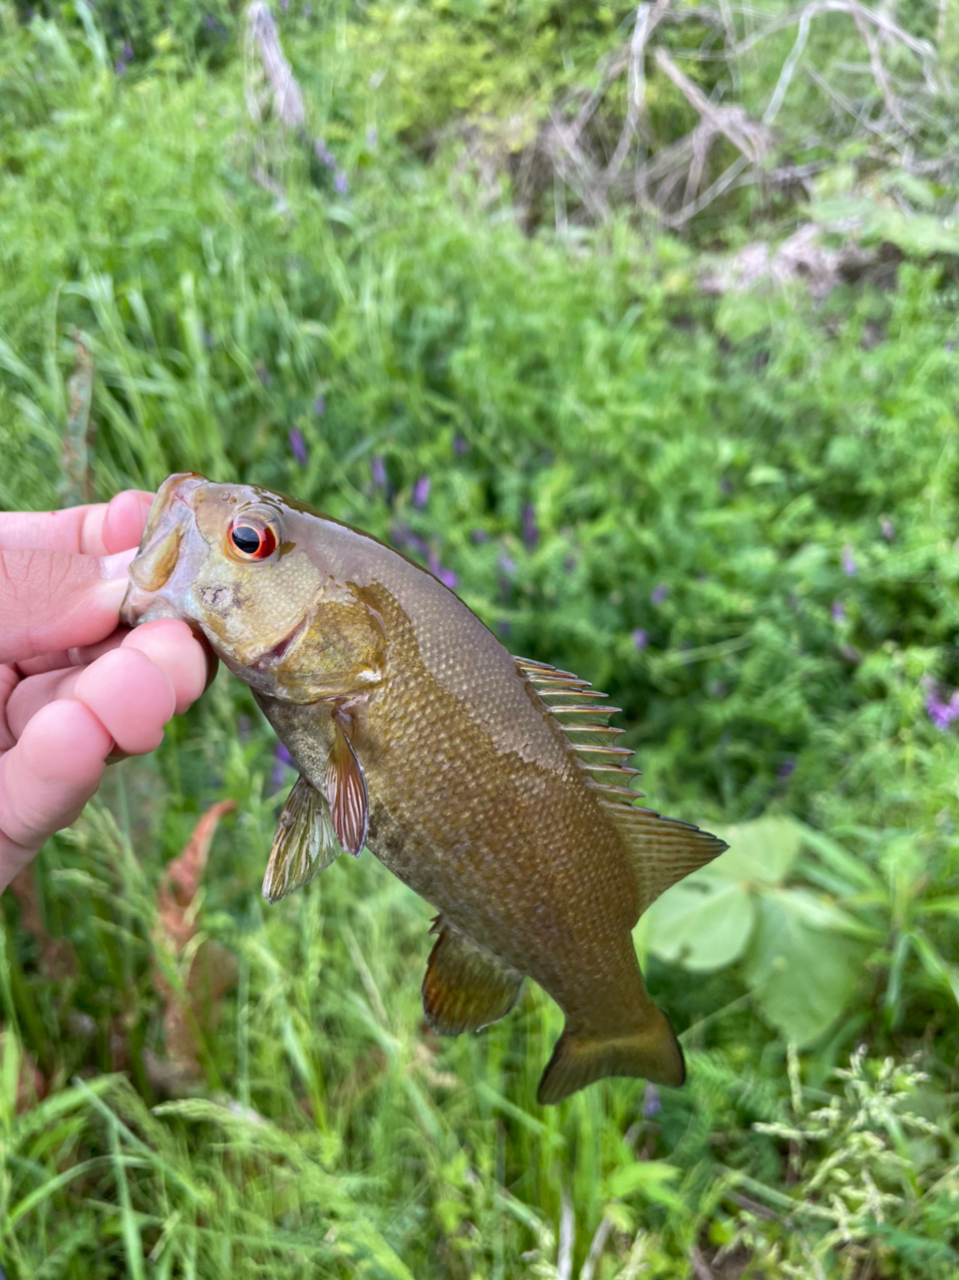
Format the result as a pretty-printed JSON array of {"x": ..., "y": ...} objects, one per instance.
[{"x": 76, "y": 690}]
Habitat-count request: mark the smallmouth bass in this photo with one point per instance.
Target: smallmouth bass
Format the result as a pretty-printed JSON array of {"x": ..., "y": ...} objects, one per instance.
[{"x": 490, "y": 784}]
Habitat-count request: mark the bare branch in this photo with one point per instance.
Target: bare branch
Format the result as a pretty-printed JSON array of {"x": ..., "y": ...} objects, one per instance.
[
  {"x": 733, "y": 122},
  {"x": 636, "y": 93},
  {"x": 596, "y": 1248},
  {"x": 878, "y": 70},
  {"x": 567, "y": 1236}
]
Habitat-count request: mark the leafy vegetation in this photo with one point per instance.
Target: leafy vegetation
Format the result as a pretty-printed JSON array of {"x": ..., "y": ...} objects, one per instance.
[{"x": 734, "y": 509}]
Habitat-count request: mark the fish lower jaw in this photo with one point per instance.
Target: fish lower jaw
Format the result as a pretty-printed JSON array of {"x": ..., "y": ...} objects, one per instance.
[{"x": 146, "y": 606}]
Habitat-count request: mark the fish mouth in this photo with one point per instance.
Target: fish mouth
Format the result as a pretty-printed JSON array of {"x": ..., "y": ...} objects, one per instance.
[{"x": 159, "y": 552}]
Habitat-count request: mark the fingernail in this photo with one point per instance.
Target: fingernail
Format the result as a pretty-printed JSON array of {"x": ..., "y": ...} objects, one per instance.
[{"x": 117, "y": 566}]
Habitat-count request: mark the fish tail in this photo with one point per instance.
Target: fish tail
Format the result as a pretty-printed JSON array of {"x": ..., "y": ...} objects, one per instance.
[{"x": 651, "y": 1053}]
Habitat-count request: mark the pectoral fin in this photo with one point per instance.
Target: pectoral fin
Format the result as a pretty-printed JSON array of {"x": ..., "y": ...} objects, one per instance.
[
  {"x": 305, "y": 842},
  {"x": 346, "y": 790},
  {"x": 465, "y": 988}
]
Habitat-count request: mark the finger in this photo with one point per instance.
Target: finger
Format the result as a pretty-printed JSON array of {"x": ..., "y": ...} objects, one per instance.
[
  {"x": 9, "y": 679},
  {"x": 169, "y": 645},
  {"x": 47, "y": 662},
  {"x": 32, "y": 694},
  {"x": 50, "y": 600},
  {"x": 123, "y": 522},
  {"x": 47, "y": 778},
  {"x": 130, "y": 696},
  {"x": 83, "y": 655},
  {"x": 80, "y": 656},
  {"x": 95, "y": 530},
  {"x": 172, "y": 646}
]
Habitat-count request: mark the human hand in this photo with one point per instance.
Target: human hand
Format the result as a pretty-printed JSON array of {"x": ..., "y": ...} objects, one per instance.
[{"x": 75, "y": 690}]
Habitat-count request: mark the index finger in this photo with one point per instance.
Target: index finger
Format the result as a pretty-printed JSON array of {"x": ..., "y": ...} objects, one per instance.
[{"x": 97, "y": 529}]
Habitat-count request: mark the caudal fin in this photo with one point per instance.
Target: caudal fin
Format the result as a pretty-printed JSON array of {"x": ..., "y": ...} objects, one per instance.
[{"x": 653, "y": 1053}]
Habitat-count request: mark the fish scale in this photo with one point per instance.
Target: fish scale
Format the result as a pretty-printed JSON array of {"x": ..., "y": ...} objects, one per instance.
[{"x": 491, "y": 785}]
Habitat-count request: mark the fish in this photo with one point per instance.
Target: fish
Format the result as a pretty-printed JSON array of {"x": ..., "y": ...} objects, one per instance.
[{"x": 492, "y": 785}]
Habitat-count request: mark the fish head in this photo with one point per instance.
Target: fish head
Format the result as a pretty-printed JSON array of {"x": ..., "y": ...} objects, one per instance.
[{"x": 245, "y": 567}]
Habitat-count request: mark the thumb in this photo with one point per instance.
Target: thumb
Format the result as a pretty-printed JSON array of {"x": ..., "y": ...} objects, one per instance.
[{"x": 51, "y": 600}]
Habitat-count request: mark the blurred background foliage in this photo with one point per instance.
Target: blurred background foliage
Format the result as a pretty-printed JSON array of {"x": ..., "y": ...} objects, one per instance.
[{"x": 638, "y": 327}]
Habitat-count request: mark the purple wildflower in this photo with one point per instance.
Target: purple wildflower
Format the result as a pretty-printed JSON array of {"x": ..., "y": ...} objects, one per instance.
[
  {"x": 508, "y": 565},
  {"x": 530, "y": 530},
  {"x": 651, "y": 1101},
  {"x": 401, "y": 535},
  {"x": 569, "y": 564},
  {"x": 342, "y": 182},
  {"x": 887, "y": 528},
  {"x": 378, "y": 470},
  {"x": 446, "y": 576},
  {"x": 659, "y": 593},
  {"x": 421, "y": 492},
  {"x": 848, "y": 561},
  {"x": 324, "y": 154},
  {"x": 371, "y": 136},
  {"x": 838, "y": 611},
  {"x": 640, "y": 639},
  {"x": 126, "y": 56},
  {"x": 942, "y": 713},
  {"x": 298, "y": 445},
  {"x": 319, "y": 406},
  {"x": 460, "y": 446},
  {"x": 281, "y": 759},
  {"x": 479, "y": 535},
  {"x": 284, "y": 5},
  {"x": 786, "y": 768}
]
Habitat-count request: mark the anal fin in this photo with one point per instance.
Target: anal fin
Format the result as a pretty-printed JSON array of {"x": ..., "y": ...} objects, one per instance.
[
  {"x": 465, "y": 989},
  {"x": 303, "y": 845},
  {"x": 650, "y": 1053}
]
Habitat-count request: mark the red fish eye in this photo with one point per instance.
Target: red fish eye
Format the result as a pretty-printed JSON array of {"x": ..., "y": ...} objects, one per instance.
[{"x": 253, "y": 541}]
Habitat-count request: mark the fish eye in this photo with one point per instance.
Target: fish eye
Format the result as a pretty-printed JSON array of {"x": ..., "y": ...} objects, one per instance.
[{"x": 251, "y": 538}]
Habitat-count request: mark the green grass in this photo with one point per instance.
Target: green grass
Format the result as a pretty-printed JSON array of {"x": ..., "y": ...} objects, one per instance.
[{"x": 785, "y": 469}]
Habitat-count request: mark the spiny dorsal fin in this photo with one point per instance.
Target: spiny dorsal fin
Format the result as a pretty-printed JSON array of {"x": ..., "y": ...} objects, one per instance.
[
  {"x": 662, "y": 850},
  {"x": 579, "y": 711}
]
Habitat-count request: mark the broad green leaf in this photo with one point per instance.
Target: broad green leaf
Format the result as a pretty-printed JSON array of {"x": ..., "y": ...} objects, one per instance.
[
  {"x": 936, "y": 965},
  {"x": 742, "y": 315},
  {"x": 820, "y": 913},
  {"x": 801, "y": 977},
  {"x": 702, "y": 923},
  {"x": 650, "y": 1178},
  {"x": 762, "y": 851},
  {"x": 856, "y": 871}
]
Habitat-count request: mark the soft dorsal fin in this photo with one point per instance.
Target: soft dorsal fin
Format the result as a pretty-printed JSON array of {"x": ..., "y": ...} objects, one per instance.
[{"x": 662, "y": 850}]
